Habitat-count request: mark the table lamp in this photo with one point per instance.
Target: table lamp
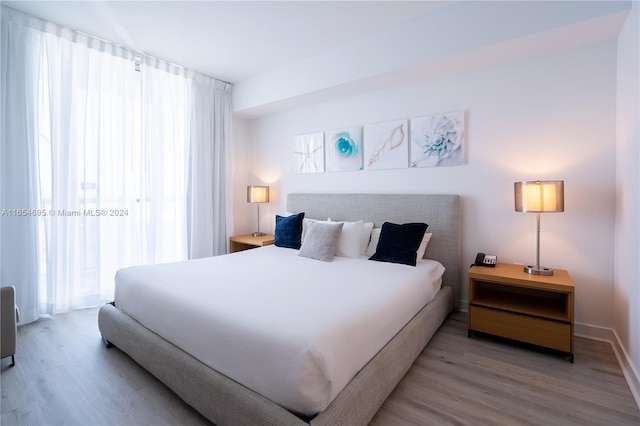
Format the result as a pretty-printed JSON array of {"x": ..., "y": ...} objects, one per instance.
[
  {"x": 258, "y": 194},
  {"x": 539, "y": 197}
]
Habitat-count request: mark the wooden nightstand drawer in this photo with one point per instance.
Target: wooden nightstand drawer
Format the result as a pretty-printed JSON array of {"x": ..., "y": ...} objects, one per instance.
[{"x": 537, "y": 331}]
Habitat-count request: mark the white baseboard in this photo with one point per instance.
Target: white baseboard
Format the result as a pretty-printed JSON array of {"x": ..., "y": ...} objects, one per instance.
[
  {"x": 626, "y": 365},
  {"x": 594, "y": 332}
]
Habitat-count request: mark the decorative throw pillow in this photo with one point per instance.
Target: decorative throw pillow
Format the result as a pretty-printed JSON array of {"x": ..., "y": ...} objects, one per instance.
[
  {"x": 321, "y": 240},
  {"x": 289, "y": 231},
  {"x": 375, "y": 237},
  {"x": 399, "y": 243},
  {"x": 305, "y": 226}
]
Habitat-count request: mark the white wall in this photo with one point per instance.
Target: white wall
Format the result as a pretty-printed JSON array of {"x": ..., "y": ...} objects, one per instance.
[
  {"x": 627, "y": 248},
  {"x": 550, "y": 117},
  {"x": 240, "y": 216}
]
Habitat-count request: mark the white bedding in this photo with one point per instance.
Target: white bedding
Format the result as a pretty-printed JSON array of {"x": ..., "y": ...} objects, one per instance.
[{"x": 293, "y": 329}]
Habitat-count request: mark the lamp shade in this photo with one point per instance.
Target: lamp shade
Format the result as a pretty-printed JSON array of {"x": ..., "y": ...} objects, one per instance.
[
  {"x": 539, "y": 196},
  {"x": 257, "y": 194}
]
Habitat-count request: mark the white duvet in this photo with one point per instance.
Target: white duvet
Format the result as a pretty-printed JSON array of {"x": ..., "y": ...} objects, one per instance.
[{"x": 293, "y": 329}]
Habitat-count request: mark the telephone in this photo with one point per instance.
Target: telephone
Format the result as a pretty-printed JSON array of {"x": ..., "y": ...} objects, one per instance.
[{"x": 486, "y": 260}]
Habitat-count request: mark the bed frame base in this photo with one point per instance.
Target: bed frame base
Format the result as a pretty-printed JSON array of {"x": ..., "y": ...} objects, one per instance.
[{"x": 226, "y": 402}]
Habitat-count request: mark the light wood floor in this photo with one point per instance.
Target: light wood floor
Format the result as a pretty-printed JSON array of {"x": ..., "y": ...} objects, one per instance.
[{"x": 65, "y": 375}]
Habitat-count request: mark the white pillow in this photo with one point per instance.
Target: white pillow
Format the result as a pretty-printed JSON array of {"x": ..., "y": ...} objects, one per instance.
[
  {"x": 423, "y": 247},
  {"x": 373, "y": 244},
  {"x": 350, "y": 239},
  {"x": 366, "y": 237}
]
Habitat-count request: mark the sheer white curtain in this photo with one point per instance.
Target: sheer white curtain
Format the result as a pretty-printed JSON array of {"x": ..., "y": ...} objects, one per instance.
[
  {"x": 87, "y": 147},
  {"x": 165, "y": 144},
  {"x": 19, "y": 237},
  {"x": 210, "y": 128},
  {"x": 98, "y": 163}
]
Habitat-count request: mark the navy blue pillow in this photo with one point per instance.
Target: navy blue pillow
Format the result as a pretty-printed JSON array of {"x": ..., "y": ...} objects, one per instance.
[
  {"x": 399, "y": 243},
  {"x": 289, "y": 231}
]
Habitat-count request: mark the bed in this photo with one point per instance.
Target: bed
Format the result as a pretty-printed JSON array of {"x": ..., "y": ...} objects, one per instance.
[{"x": 225, "y": 401}]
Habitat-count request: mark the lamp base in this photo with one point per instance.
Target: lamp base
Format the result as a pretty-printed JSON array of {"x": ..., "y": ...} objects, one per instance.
[
  {"x": 530, "y": 269},
  {"x": 258, "y": 234}
]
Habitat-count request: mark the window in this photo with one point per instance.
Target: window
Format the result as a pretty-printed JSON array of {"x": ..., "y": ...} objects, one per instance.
[{"x": 116, "y": 167}]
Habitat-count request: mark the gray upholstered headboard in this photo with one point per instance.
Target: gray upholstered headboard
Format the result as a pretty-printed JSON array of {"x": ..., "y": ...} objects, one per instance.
[{"x": 441, "y": 212}]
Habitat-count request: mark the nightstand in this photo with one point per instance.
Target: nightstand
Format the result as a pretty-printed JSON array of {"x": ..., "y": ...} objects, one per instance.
[
  {"x": 246, "y": 242},
  {"x": 505, "y": 301}
]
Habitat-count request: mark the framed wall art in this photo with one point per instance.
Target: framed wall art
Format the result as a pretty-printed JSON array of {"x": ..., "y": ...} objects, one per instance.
[
  {"x": 386, "y": 145},
  {"x": 343, "y": 149},
  {"x": 308, "y": 153},
  {"x": 438, "y": 140}
]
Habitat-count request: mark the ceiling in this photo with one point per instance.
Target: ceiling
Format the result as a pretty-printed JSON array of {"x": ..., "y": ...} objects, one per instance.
[
  {"x": 228, "y": 40},
  {"x": 283, "y": 54}
]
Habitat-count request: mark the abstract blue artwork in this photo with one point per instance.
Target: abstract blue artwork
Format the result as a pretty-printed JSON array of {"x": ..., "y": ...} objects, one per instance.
[
  {"x": 309, "y": 153},
  {"x": 343, "y": 149},
  {"x": 386, "y": 145},
  {"x": 438, "y": 140}
]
